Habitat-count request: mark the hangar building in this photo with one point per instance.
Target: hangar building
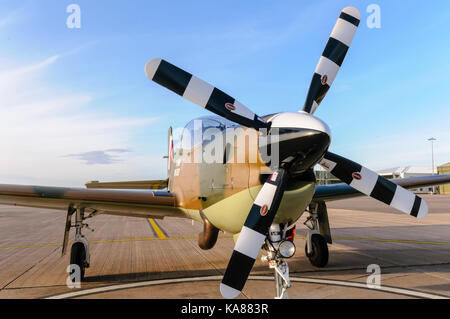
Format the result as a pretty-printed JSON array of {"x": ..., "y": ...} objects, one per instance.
[
  {"x": 409, "y": 171},
  {"x": 444, "y": 169},
  {"x": 324, "y": 177}
]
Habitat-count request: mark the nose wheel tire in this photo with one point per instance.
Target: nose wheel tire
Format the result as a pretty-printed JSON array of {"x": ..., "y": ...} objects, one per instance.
[
  {"x": 319, "y": 254},
  {"x": 78, "y": 257}
]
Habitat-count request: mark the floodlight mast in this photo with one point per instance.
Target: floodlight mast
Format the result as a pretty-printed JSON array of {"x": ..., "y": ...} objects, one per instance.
[{"x": 432, "y": 139}]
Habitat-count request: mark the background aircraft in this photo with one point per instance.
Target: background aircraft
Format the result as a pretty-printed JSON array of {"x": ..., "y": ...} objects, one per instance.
[{"x": 255, "y": 200}]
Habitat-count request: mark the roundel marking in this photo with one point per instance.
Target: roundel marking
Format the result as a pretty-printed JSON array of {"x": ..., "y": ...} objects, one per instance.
[
  {"x": 263, "y": 211},
  {"x": 274, "y": 176},
  {"x": 356, "y": 176},
  {"x": 170, "y": 152},
  {"x": 324, "y": 79},
  {"x": 230, "y": 106}
]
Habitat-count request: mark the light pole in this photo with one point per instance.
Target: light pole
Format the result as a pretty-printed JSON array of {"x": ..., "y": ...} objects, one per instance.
[{"x": 432, "y": 139}]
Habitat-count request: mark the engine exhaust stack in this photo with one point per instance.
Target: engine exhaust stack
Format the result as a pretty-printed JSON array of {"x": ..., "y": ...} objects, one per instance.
[{"x": 208, "y": 237}]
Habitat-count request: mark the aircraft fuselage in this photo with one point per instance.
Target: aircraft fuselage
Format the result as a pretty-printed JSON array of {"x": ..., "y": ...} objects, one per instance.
[{"x": 221, "y": 175}]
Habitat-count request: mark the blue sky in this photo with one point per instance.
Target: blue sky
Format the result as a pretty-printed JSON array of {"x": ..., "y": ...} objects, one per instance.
[{"x": 66, "y": 93}]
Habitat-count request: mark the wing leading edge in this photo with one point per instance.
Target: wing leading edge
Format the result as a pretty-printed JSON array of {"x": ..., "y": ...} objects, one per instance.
[
  {"x": 341, "y": 190},
  {"x": 137, "y": 203},
  {"x": 154, "y": 184}
]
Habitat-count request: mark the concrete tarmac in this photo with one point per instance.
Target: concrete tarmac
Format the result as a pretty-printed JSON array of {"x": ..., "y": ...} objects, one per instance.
[{"x": 140, "y": 258}]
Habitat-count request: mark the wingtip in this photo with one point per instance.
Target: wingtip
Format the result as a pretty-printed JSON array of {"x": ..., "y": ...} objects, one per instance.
[
  {"x": 151, "y": 67},
  {"x": 229, "y": 292},
  {"x": 354, "y": 12}
]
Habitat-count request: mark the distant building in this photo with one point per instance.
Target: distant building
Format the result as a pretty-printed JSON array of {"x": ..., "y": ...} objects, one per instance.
[
  {"x": 324, "y": 177},
  {"x": 444, "y": 169},
  {"x": 410, "y": 171}
]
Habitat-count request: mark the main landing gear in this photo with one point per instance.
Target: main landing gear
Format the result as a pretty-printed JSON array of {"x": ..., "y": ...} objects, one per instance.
[
  {"x": 79, "y": 253},
  {"x": 318, "y": 235}
]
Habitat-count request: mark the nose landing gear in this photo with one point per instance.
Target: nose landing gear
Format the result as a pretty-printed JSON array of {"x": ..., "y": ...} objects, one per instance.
[{"x": 279, "y": 245}]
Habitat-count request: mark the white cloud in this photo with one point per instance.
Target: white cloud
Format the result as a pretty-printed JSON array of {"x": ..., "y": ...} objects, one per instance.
[
  {"x": 100, "y": 156},
  {"x": 29, "y": 68},
  {"x": 10, "y": 17},
  {"x": 38, "y": 126}
]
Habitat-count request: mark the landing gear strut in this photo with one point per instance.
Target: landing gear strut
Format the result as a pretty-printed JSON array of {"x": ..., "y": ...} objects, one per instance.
[
  {"x": 79, "y": 253},
  {"x": 318, "y": 235},
  {"x": 279, "y": 245}
]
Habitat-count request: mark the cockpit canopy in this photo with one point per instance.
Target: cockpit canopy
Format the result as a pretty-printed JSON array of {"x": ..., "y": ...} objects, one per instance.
[{"x": 200, "y": 128}]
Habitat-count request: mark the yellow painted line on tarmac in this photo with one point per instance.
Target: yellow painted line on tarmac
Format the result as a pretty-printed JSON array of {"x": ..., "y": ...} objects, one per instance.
[
  {"x": 91, "y": 241},
  {"x": 395, "y": 241},
  {"x": 386, "y": 240},
  {"x": 195, "y": 237},
  {"x": 103, "y": 241},
  {"x": 121, "y": 240},
  {"x": 28, "y": 246},
  {"x": 157, "y": 230}
]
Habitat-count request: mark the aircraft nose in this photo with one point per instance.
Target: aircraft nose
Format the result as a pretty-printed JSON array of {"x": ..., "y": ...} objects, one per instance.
[
  {"x": 299, "y": 120},
  {"x": 302, "y": 148},
  {"x": 297, "y": 140},
  {"x": 296, "y": 148}
]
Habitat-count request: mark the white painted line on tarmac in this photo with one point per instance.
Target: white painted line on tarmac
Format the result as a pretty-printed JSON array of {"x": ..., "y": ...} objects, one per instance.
[
  {"x": 132, "y": 285},
  {"x": 388, "y": 289}
]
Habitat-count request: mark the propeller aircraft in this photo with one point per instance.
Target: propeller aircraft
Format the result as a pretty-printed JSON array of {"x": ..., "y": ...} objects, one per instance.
[{"x": 258, "y": 194}]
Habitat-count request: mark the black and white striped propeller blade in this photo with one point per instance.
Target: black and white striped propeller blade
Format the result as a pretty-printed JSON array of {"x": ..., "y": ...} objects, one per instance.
[
  {"x": 201, "y": 93},
  {"x": 332, "y": 57},
  {"x": 253, "y": 234},
  {"x": 373, "y": 185}
]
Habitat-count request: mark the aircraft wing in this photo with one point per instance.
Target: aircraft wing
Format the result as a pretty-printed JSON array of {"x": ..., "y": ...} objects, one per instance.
[
  {"x": 342, "y": 190},
  {"x": 136, "y": 203},
  {"x": 154, "y": 184}
]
